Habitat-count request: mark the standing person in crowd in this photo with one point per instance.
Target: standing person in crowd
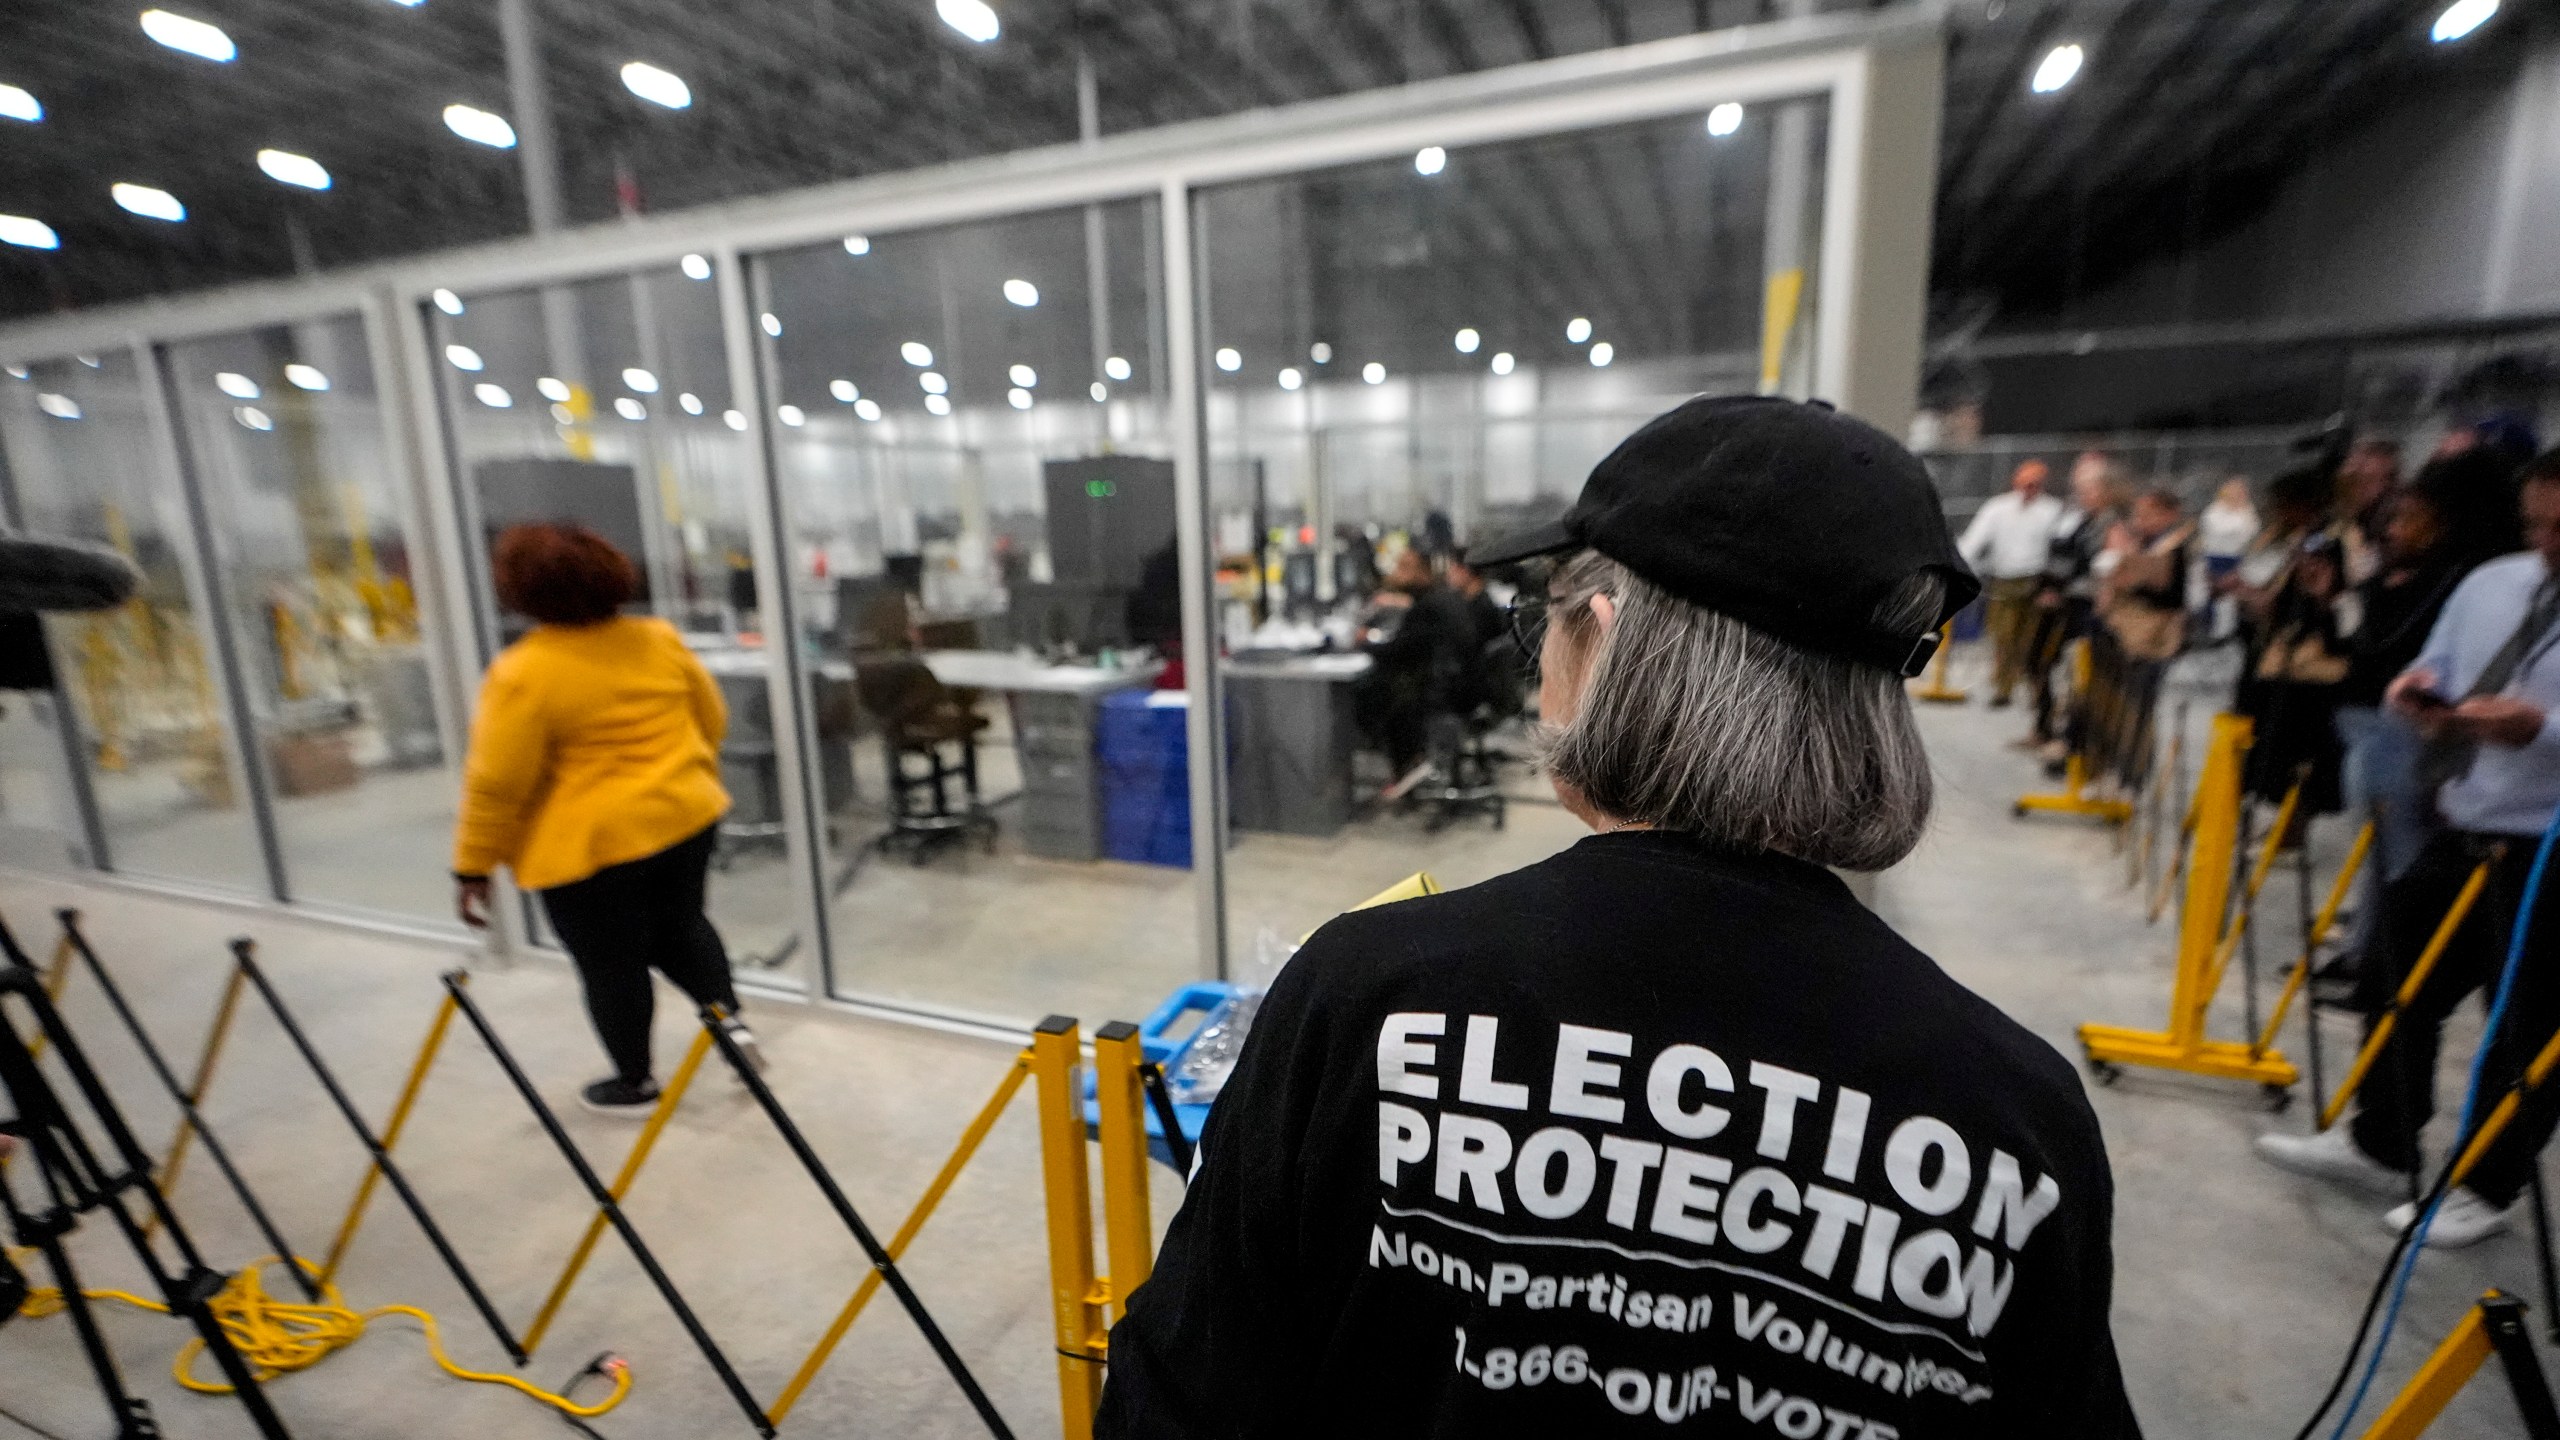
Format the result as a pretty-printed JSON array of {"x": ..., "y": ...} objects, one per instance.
[
  {"x": 2485, "y": 693},
  {"x": 1541, "y": 1156},
  {"x": 2009, "y": 540},
  {"x": 2367, "y": 479},
  {"x": 594, "y": 774},
  {"x": 2067, "y": 592},
  {"x": 2395, "y": 610},
  {"x": 2223, "y": 534},
  {"x": 2142, "y": 606},
  {"x": 1418, "y": 637},
  {"x": 2293, "y": 656}
]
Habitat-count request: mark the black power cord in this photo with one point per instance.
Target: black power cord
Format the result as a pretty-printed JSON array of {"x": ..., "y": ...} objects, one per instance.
[{"x": 598, "y": 1368}]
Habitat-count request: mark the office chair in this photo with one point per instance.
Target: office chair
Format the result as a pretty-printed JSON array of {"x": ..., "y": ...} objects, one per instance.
[
  {"x": 922, "y": 720},
  {"x": 1466, "y": 779}
]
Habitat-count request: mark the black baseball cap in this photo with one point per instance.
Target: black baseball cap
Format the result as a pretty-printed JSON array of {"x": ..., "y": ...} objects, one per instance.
[{"x": 1783, "y": 514}]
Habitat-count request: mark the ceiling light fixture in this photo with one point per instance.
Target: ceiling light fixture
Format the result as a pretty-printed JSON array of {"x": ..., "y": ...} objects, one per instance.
[
  {"x": 629, "y": 409},
  {"x": 17, "y": 104},
  {"x": 658, "y": 87},
  {"x": 1099, "y": 391},
  {"x": 1229, "y": 360},
  {"x": 147, "y": 201},
  {"x": 938, "y": 404},
  {"x": 733, "y": 419},
  {"x": 1374, "y": 373},
  {"x": 791, "y": 415},
  {"x": 306, "y": 377},
  {"x": 1018, "y": 398},
  {"x": 60, "y": 407},
  {"x": 300, "y": 171},
  {"x": 1291, "y": 378},
  {"x": 1430, "y": 160},
  {"x": 867, "y": 409},
  {"x": 1117, "y": 368},
  {"x": 17, "y": 372},
  {"x": 493, "y": 396},
  {"x": 254, "y": 418},
  {"x": 916, "y": 353},
  {"x": 640, "y": 380},
  {"x": 933, "y": 383},
  {"x": 772, "y": 324},
  {"x": 480, "y": 127},
  {"x": 194, "y": 37},
  {"x": 695, "y": 267},
  {"x": 1024, "y": 376},
  {"x": 2459, "y": 19},
  {"x": 553, "y": 388},
  {"x": 1724, "y": 119},
  {"x": 972, "y": 18},
  {"x": 1022, "y": 292},
  {"x": 1577, "y": 329},
  {"x": 689, "y": 403},
  {"x": 236, "y": 385},
  {"x": 857, "y": 244},
  {"x": 1502, "y": 363},
  {"x": 463, "y": 357},
  {"x": 2060, "y": 66},
  {"x": 1321, "y": 353},
  {"x": 1468, "y": 340},
  {"x": 845, "y": 391},
  {"x": 1602, "y": 354},
  {"x": 563, "y": 415},
  {"x": 448, "y": 302}
]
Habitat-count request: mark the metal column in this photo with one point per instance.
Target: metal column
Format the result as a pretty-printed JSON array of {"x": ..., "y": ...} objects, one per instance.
[{"x": 1206, "y": 730}]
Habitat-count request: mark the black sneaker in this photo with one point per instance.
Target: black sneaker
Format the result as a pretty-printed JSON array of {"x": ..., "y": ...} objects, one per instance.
[{"x": 618, "y": 1096}]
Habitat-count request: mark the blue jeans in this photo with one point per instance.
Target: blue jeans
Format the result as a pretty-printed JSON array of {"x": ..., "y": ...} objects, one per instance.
[{"x": 2381, "y": 781}]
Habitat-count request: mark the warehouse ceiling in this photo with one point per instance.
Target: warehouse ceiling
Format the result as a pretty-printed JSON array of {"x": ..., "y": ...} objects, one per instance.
[{"x": 2167, "y": 136}]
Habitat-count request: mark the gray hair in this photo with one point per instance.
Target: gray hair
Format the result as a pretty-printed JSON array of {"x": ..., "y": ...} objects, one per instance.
[{"x": 1691, "y": 720}]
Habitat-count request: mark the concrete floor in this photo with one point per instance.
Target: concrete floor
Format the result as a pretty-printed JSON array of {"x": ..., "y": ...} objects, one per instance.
[{"x": 2236, "y": 1284}]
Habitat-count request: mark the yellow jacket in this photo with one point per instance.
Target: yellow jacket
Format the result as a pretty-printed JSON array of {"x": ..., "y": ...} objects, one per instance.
[{"x": 593, "y": 745}]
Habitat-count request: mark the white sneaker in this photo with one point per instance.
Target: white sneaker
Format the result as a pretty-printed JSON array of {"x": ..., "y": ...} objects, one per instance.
[
  {"x": 2463, "y": 1219},
  {"x": 2331, "y": 1154},
  {"x": 745, "y": 1040}
]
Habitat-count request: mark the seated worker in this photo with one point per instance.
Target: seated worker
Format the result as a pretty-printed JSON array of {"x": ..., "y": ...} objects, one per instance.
[
  {"x": 1421, "y": 640},
  {"x": 1667, "y": 1127}
]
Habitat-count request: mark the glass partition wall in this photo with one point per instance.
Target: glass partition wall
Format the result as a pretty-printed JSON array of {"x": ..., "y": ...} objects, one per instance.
[{"x": 1035, "y": 525}]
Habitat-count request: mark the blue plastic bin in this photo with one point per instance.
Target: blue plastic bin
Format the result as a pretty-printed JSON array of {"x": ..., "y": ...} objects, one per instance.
[{"x": 1144, "y": 753}]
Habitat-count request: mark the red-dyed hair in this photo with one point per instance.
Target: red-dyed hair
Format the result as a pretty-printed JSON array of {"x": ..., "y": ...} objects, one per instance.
[{"x": 562, "y": 574}]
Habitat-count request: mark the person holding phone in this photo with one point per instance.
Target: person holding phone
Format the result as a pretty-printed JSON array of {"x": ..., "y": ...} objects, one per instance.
[{"x": 2484, "y": 695}]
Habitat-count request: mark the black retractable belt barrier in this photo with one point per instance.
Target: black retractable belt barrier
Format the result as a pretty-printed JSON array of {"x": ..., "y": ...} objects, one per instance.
[
  {"x": 714, "y": 1018},
  {"x": 242, "y": 952},
  {"x": 75, "y": 1180},
  {"x": 612, "y": 1210},
  {"x": 186, "y": 1105},
  {"x": 1160, "y": 1100}
]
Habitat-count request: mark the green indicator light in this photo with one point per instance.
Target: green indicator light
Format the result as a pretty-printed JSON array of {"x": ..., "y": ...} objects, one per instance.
[{"x": 1101, "y": 489}]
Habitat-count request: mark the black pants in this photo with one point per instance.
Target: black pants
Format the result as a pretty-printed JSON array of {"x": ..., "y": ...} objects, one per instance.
[
  {"x": 627, "y": 919},
  {"x": 2398, "y": 1095}
]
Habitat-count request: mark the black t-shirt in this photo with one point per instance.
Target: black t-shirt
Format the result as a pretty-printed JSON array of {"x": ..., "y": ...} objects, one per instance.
[{"x": 1642, "y": 1136}]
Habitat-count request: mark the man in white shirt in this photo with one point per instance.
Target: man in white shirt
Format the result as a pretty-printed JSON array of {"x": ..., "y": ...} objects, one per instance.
[{"x": 2006, "y": 545}]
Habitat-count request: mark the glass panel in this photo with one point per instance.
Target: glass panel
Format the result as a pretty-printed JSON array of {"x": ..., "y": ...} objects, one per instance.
[
  {"x": 972, "y": 440},
  {"x": 607, "y": 402},
  {"x": 82, "y": 455},
  {"x": 285, "y": 430},
  {"x": 1415, "y": 354}
]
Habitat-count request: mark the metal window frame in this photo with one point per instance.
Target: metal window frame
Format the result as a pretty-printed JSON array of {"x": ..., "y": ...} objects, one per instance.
[{"x": 1881, "y": 73}]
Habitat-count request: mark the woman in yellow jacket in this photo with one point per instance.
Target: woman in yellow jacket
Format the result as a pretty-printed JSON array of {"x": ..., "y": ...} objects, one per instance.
[{"x": 594, "y": 774}]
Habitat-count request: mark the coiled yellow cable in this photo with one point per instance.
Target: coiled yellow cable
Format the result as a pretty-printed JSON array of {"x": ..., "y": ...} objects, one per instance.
[{"x": 277, "y": 1336}]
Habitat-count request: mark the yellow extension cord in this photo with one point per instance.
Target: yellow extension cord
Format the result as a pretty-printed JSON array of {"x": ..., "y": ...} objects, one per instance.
[{"x": 278, "y": 1336}]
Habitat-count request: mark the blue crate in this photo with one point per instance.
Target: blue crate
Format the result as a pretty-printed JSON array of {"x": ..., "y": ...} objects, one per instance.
[
  {"x": 1155, "y": 1042},
  {"x": 1143, "y": 727},
  {"x": 1148, "y": 824}
]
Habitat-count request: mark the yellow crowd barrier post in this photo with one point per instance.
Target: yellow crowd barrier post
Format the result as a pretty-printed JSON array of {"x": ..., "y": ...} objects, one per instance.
[
  {"x": 2389, "y": 1020},
  {"x": 1075, "y": 1292},
  {"x": 2073, "y": 798},
  {"x": 1127, "y": 1234},
  {"x": 2494, "y": 1326},
  {"x": 668, "y": 1100},
  {"x": 2184, "y": 1046},
  {"x": 199, "y": 1084},
  {"x": 2239, "y": 925},
  {"x": 1936, "y": 689},
  {"x": 961, "y": 1154},
  {"x": 2301, "y": 973},
  {"x": 390, "y": 1137},
  {"x": 2504, "y": 1112},
  {"x": 57, "y": 976}
]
